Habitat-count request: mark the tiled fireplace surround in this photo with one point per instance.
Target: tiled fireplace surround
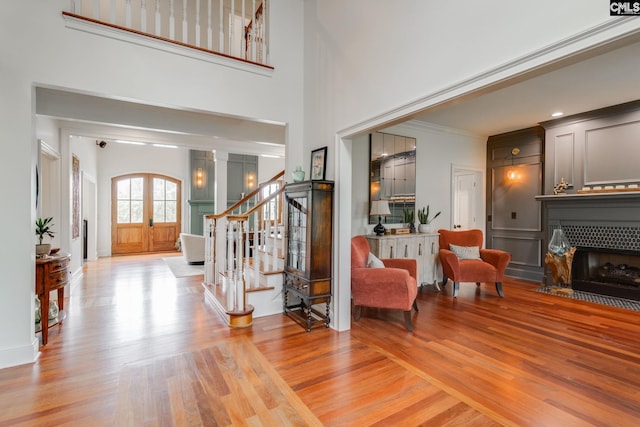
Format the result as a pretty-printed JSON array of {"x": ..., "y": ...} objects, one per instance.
[{"x": 607, "y": 224}]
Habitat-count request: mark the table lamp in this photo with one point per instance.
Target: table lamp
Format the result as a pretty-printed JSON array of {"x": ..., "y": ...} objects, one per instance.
[{"x": 379, "y": 208}]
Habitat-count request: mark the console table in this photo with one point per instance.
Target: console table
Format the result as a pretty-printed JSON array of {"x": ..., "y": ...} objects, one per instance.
[
  {"x": 421, "y": 246},
  {"x": 52, "y": 273}
]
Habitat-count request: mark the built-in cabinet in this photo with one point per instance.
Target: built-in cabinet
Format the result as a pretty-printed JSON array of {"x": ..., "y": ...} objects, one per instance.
[
  {"x": 421, "y": 246},
  {"x": 308, "y": 269}
]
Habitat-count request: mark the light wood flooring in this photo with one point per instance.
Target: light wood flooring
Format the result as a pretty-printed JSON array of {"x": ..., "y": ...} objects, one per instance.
[{"x": 142, "y": 348}]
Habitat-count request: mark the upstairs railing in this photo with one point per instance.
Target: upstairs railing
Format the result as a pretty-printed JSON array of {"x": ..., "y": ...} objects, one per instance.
[
  {"x": 248, "y": 234},
  {"x": 233, "y": 28}
]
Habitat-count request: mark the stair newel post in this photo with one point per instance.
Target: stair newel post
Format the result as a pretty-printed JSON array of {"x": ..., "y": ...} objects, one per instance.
[{"x": 239, "y": 265}]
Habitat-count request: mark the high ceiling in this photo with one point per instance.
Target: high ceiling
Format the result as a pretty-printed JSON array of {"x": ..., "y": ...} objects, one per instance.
[{"x": 609, "y": 78}]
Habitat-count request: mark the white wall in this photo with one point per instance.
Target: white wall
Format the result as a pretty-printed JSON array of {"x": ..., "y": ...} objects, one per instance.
[
  {"x": 437, "y": 149},
  {"x": 44, "y": 52},
  {"x": 120, "y": 159},
  {"x": 268, "y": 167}
]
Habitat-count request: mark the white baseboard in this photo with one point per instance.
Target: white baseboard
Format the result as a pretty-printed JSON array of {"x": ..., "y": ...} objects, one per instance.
[{"x": 23, "y": 355}]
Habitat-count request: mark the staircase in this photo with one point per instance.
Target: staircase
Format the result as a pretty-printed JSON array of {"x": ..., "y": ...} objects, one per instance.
[{"x": 244, "y": 256}]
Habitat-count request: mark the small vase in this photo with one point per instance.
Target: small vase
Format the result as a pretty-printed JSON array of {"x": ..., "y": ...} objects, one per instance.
[
  {"x": 298, "y": 174},
  {"x": 559, "y": 244}
]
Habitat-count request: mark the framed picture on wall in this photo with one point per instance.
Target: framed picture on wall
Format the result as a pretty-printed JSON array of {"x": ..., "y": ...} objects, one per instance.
[{"x": 318, "y": 163}]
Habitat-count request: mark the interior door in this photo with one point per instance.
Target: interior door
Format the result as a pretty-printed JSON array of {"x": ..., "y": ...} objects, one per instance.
[
  {"x": 145, "y": 213},
  {"x": 466, "y": 185}
]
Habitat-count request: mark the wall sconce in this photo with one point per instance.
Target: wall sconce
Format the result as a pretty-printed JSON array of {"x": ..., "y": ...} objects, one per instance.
[
  {"x": 513, "y": 173},
  {"x": 200, "y": 178},
  {"x": 251, "y": 180}
]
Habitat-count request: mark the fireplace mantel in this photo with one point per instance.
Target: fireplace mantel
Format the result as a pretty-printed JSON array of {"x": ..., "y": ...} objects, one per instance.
[
  {"x": 594, "y": 220},
  {"x": 589, "y": 196}
]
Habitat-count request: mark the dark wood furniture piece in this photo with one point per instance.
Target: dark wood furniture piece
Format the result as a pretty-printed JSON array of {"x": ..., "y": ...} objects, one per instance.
[
  {"x": 52, "y": 273},
  {"x": 308, "y": 269}
]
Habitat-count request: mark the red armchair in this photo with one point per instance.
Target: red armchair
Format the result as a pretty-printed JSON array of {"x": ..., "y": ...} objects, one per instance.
[
  {"x": 392, "y": 287},
  {"x": 489, "y": 268}
]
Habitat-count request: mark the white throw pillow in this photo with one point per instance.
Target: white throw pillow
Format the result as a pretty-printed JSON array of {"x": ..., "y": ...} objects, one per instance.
[
  {"x": 374, "y": 261},
  {"x": 466, "y": 252}
]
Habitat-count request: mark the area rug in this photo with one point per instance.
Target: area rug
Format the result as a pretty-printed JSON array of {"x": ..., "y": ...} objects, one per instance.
[
  {"x": 180, "y": 268},
  {"x": 589, "y": 297}
]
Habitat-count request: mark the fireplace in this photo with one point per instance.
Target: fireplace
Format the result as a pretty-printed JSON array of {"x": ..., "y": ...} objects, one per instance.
[
  {"x": 607, "y": 272},
  {"x": 605, "y": 229}
]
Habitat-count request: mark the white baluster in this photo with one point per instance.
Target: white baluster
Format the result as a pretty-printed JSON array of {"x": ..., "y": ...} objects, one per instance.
[
  {"x": 96, "y": 9},
  {"x": 209, "y": 29},
  {"x": 198, "y": 23},
  {"x": 242, "y": 53},
  {"x": 229, "y": 247},
  {"x": 158, "y": 19},
  {"x": 232, "y": 26},
  {"x": 143, "y": 16},
  {"x": 185, "y": 26},
  {"x": 221, "y": 28},
  {"x": 127, "y": 13},
  {"x": 172, "y": 21},
  {"x": 253, "y": 30},
  {"x": 112, "y": 10}
]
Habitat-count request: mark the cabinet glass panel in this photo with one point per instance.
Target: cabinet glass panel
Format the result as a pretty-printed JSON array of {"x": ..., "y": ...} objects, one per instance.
[{"x": 297, "y": 232}]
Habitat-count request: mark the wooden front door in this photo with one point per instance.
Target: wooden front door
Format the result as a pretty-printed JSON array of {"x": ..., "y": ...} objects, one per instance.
[{"x": 145, "y": 213}]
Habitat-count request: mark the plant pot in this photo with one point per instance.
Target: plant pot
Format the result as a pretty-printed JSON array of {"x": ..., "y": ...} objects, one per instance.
[
  {"x": 425, "y": 228},
  {"x": 43, "y": 249}
]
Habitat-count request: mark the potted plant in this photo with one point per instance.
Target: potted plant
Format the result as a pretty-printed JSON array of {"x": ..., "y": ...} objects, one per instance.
[
  {"x": 409, "y": 219},
  {"x": 425, "y": 222},
  {"x": 43, "y": 228}
]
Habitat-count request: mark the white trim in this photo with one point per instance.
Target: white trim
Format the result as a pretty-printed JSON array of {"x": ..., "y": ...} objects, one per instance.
[
  {"x": 613, "y": 30},
  {"x": 142, "y": 40},
  {"x": 23, "y": 355},
  {"x": 48, "y": 151}
]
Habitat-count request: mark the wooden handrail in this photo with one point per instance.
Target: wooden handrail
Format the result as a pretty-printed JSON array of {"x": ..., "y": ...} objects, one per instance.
[
  {"x": 245, "y": 216},
  {"x": 247, "y": 197},
  {"x": 163, "y": 39}
]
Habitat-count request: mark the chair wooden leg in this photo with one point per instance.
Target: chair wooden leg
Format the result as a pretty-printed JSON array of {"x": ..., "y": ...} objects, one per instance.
[
  {"x": 407, "y": 320},
  {"x": 445, "y": 279},
  {"x": 456, "y": 288},
  {"x": 357, "y": 311},
  {"x": 415, "y": 304},
  {"x": 477, "y": 283},
  {"x": 499, "y": 289}
]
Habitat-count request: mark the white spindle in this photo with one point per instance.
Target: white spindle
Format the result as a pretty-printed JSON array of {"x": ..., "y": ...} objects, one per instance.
[
  {"x": 232, "y": 28},
  {"x": 252, "y": 33},
  {"x": 112, "y": 12},
  {"x": 209, "y": 29},
  {"x": 158, "y": 19},
  {"x": 242, "y": 53},
  {"x": 198, "y": 23},
  {"x": 127, "y": 14},
  {"x": 264, "y": 40},
  {"x": 143, "y": 16},
  {"x": 221, "y": 27},
  {"x": 172, "y": 21},
  {"x": 185, "y": 26}
]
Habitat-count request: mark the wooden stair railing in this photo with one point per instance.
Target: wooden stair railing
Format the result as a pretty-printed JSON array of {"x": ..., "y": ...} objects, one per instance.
[{"x": 241, "y": 243}]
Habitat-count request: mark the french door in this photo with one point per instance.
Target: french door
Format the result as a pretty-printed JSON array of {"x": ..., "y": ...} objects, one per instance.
[{"x": 145, "y": 213}]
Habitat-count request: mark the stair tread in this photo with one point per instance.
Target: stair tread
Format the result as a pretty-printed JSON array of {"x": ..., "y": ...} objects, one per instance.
[{"x": 264, "y": 270}]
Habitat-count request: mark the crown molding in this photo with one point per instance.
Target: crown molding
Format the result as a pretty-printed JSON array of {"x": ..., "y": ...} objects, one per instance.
[{"x": 607, "y": 33}]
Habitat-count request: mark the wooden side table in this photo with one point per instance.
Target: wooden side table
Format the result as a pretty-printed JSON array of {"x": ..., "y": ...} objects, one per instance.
[{"x": 52, "y": 273}]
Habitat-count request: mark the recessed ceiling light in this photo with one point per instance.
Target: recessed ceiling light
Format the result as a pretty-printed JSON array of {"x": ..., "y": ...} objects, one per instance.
[{"x": 557, "y": 114}]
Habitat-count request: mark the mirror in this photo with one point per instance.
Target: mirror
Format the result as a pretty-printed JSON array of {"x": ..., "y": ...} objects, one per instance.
[{"x": 392, "y": 174}]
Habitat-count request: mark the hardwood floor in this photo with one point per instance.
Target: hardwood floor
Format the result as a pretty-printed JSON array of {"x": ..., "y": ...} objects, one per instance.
[{"x": 140, "y": 347}]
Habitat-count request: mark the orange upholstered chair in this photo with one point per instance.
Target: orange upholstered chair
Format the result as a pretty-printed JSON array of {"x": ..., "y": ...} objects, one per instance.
[
  {"x": 391, "y": 286},
  {"x": 464, "y": 260}
]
